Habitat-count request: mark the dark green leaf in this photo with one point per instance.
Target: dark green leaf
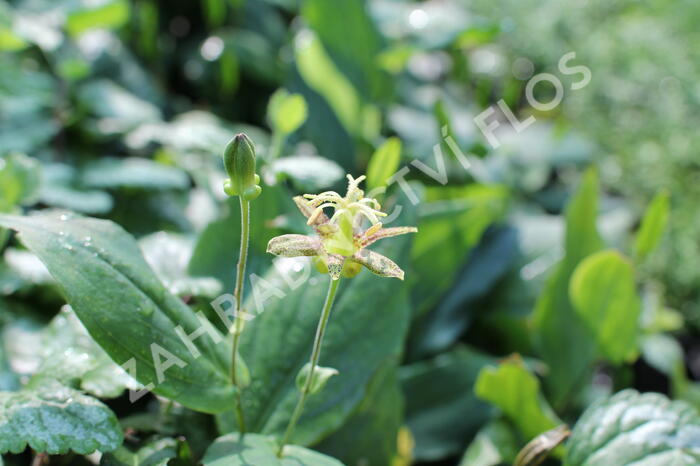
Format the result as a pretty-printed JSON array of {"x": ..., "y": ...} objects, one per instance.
[
  {"x": 370, "y": 435},
  {"x": 442, "y": 411},
  {"x": 126, "y": 309}
]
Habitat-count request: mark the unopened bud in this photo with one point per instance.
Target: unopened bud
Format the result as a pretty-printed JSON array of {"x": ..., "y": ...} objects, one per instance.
[{"x": 239, "y": 161}]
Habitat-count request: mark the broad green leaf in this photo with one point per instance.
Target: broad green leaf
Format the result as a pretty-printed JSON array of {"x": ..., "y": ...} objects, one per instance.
[
  {"x": 653, "y": 225},
  {"x": 50, "y": 417},
  {"x": 376, "y": 308},
  {"x": 158, "y": 452},
  {"x": 349, "y": 34},
  {"x": 105, "y": 14},
  {"x": 287, "y": 112},
  {"x": 456, "y": 217},
  {"x": 370, "y": 435},
  {"x": 69, "y": 353},
  {"x": 169, "y": 255},
  {"x": 516, "y": 391},
  {"x": 133, "y": 172},
  {"x": 118, "y": 109},
  {"x": 495, "y": 444},
  {"x": 384, "y": 163},
  {"x": 603, "y": 292},
  {"x": 254, "y": 449},
  {"x": 321, "y": 74},
  {"x": 563, "y": 339},
  {"x": 442, "y": 411},
  {"x": 126, "y": 309},
  {"x": 19, "y": 180},
  {"x": 440, "y": 328},
  {"x": 632, "y": 428},
  {"x": 60, "y": 189}
]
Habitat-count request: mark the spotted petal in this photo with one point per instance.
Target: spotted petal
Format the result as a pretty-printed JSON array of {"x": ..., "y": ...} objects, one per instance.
[
  {"x": 378, "y": 264},
  {"x": 295, "y": 246},
  {"x": 308, "y": 210},
  {"x": 385, "y": 233}
]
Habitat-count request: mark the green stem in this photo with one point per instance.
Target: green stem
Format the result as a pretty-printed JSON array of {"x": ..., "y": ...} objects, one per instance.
[
  {"x": 315, "y": 354},
  {"x": 238, "y": 319}
]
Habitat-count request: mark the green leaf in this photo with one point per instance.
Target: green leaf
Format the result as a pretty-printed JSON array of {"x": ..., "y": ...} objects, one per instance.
[
  {"x": 19, "y": 180},
  {"x": 495, "y": 444},
  {"x": 254, "y": 449},
  {"x": 454, "y": 216},
  {"x": 516, "y": 391},
  {"x": 320, "y": 378},
  {"x": 52, "y": 418},
  {"x": 158, "y": 452},
  {"x": 69, "y": 353},
  {"x": 287, "y": 112},
  {"x": 603, "y": 292},
  {"x": 322, "y": 75},
  {"x": 169, "y": 255},
  {"x": 133, "y": 172},
  {"x": 563, "y": 339},
  {"x": 105, "y": 14},
  {"x": 126, "y": 309},
  {"x": 370, "y": 435},
  {"x": 442, "y": 411},
  {"x": 308, "y": 172},
  {"x": 653, "y": 225},
  {"x": 376, "y": 308},
  {"x": 384, "y": 163},
  {"x": 641, "y": 429}
]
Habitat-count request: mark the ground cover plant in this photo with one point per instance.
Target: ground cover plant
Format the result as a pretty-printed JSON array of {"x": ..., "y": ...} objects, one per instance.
[{"x": 362, "y": 233}]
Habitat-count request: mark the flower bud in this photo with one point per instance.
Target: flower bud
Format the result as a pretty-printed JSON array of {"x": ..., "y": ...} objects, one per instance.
[{"x": 239, "y": 161}]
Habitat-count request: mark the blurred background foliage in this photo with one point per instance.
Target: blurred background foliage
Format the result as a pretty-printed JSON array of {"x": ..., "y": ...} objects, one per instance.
[{"x": 120, "y": 109}]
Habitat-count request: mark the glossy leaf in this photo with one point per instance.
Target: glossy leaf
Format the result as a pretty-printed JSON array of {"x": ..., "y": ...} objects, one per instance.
[
  {"x": 563, "y": 339},
  {"x": 632, "y": 428},
  {"x": 254, "y": 449},
  {"x": 603, "y": 292},
  {"x": 516, "y": 391},
  {"x": 126, "y": 309},
  {"x": 52, "y": 418},
  {"x": 495, "y": 444},
  {"x": 653, "y": 225}
]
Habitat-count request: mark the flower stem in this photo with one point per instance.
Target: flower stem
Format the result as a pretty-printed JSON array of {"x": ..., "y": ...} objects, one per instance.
[
  {"x": 315, "y": 354},
  {"x": 238, "y": 318}
]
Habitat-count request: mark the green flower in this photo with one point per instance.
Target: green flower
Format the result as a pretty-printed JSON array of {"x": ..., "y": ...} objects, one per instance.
[{"x": 339, "y": 247}]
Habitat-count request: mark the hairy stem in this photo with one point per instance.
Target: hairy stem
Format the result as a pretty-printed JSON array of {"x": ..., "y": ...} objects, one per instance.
[
  {"x": 315, "y": 354},
  {"x": 238, "y": 318}
]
